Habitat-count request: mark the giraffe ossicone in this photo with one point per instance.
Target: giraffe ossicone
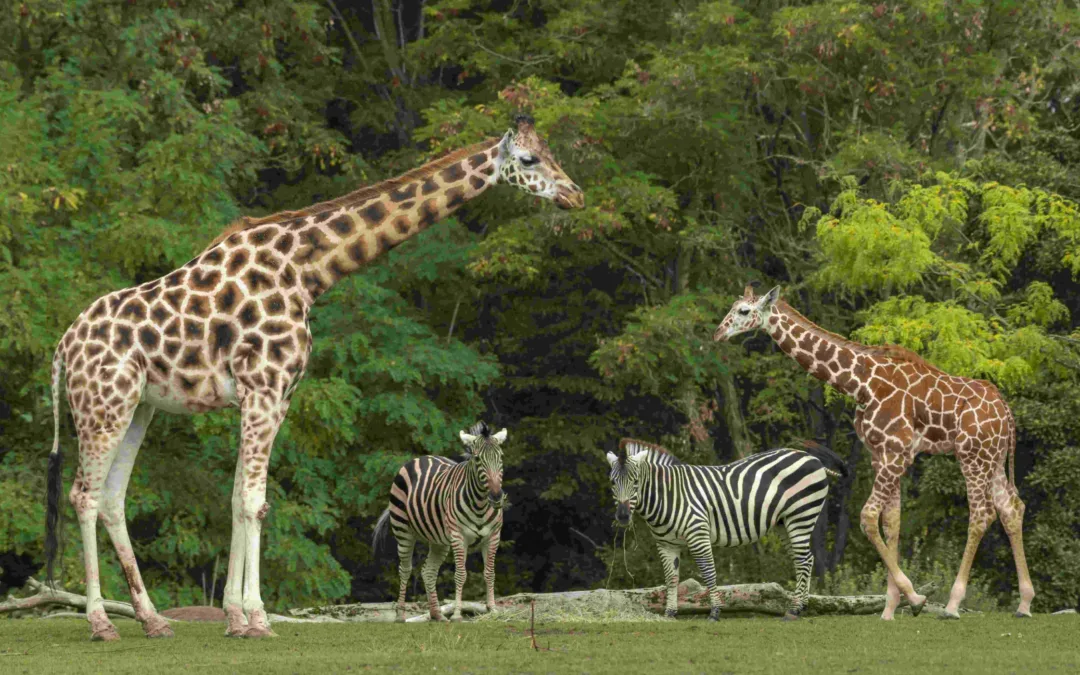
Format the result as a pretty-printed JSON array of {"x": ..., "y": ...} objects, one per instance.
[
  {"x": 230, "y": 328},
  {"x": 905, "y": 406}
]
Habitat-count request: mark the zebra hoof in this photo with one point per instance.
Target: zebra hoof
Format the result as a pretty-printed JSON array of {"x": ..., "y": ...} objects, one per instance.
[
  {"x": 671, "y": 613},
  {"x": 791, "y": 617},
  {"x": 714, "y": 614}
]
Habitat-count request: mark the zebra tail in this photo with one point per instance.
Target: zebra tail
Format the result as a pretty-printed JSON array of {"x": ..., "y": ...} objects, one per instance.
[
  {"x": 834, "y": 464},
  {"x": 382, "y": 528},
  {"x": 54, "y": 477}
]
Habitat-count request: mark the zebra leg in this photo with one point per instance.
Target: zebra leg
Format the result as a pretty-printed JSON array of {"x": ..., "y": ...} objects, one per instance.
[
  {"x": 405, "y": 549},
  {"x": 799, "y": 540},
  {"x": 701, "y": 548},
  {"x": 669, "y": 556},
  {"x": 488, "y": 549},
  {"x": 435, "y": 557},
  {"x": 460, "y": 551}
]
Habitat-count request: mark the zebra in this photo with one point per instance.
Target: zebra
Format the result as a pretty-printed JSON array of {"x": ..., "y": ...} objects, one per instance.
[
  {"x": 448, "y": 505},
  {"x": 704, "y": 506}
]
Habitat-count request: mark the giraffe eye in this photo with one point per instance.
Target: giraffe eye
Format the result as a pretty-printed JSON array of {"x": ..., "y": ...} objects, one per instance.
[
  {"x": 530, "y": 160},
  {"x": 744, "y": 311}
]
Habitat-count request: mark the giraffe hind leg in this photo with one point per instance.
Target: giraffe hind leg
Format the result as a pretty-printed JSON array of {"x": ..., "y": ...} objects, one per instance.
[
  {"x": 1011, "y": 511},
  {"x": 981, "y": 515},
  {"x": 236, "y": 623},
  {"x": 112, "y": 515}
]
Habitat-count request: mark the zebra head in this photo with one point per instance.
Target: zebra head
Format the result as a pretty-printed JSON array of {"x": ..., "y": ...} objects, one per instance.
[
  {"x": 484, "y": 450},
  {"x": 748, "y": 313},
  {"x": 625, "y": 481}
]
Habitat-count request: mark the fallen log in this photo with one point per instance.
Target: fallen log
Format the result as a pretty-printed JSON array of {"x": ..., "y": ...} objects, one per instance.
[{"x": 45, "y": 596}]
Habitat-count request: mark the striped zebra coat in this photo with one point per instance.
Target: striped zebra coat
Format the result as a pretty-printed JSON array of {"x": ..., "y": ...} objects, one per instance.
[
  {"x": 699, "y": 507},
  {"x": 450, "y": 506}
]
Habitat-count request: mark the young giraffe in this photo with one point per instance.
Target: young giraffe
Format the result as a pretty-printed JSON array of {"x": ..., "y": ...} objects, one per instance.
[
  {"x": 907, "y": 406},
  {"x": 230, "y": 329}
]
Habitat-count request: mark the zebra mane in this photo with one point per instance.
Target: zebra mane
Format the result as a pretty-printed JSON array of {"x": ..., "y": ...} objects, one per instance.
[
  {"x": 480, "y": 429},
  {"x": 628, "y": 446}
]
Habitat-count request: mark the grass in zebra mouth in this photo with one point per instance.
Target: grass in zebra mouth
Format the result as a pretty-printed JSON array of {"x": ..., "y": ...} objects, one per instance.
[{"x": 989, "y": 643}]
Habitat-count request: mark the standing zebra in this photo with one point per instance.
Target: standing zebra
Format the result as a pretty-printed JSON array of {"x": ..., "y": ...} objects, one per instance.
[
  {"x": 448, "y": 505},
  {"x": 704, "y": 506}
]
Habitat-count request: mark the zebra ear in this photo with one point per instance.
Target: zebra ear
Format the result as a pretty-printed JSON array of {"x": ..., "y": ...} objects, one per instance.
[
  {"x": 612, "y": 458},
  {"x": 500, "y": 437},
  {"x": 467, "y": 439}
]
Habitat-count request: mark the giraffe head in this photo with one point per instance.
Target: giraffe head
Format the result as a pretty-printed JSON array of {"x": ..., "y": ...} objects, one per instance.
[
  {"x": 747, "y": 313},
  {"x": 484, "y": 449},
  {"x": 626, "y": 478},
  {"x": 525, "y": 160}
]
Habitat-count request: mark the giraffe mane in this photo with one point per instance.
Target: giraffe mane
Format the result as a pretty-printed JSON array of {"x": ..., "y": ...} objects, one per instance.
[
  {"x": 893, "y": 352},
  {"x": 358, "y": 196}
]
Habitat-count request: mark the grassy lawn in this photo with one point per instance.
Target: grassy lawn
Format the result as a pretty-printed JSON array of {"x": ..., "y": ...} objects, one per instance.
[{"x": 995, "y": 643}]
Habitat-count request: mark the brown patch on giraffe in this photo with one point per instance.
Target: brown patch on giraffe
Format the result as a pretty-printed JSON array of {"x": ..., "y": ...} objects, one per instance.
[
  {"x": 313, "y": 246},
  {"x": 429, "y": 187},
  {"x": 160, "y": 365},
  {"x": 268, "y": 260},
  {"x": 429, "y": 213},
  {"x": 83, "y": 331},
  {"x": 192, "y": 357},
  {"x": 455, "y": 197},
  {"x": 488, "y": 170},
  {"x": 844, "y": 358},
  {"x": 187, "y": 383},
  {"x": 149, "y": 337},
  {"x": 324, "y": 215},
  {"x": 404, "y": 194},
  {"x": 275, "y": 328},
  {"x": 807, "y": 342},
  {"x": 284, "y": 243},
  {"x": 237, "y": 261},
  {"x": 249, "y": 314},
  {"x": 296, "y": 309},
  {"x": 405, "y": 207},
  {"x": 825, "y": 351},
  {"x": 314, "y": 283},
  {"x": 213, "y": 256},
  {"x": 256, "y": 281},
  {"x": 477, "y": 182},
  {"x": 274, "y": 304},
  {"x": 158, "y": 313},
  {"x": 175, "y": 298},
  {"x": 343, "y": 226},
  {"x": 287, "y": 276},
  {"x": 401, "y": 225},
  {"x": 805, "y": 360},
  {"x": 374, "y": 214},
  {"x": 260, "y": 236},
  {"x": 97, "y": 310},
  {"x": 254, "y": 343},
  {"x": 278, "y": 350},
  {"x": 475, "y": 161},
  {"x": 150, "y": 294},
  {"x": 452, "y": 174},
  {"x": 197, "y": 305},
  {"x": 101, "y": 331},
  {"x": 227, "y": 297},
  {"x": 172, "y": 329},
  {"x": 222, "y": 336},
  {"x": 123, "y": 339},
  {"x": 176, "y": 278},
  {"x": 357, "y": 252},
  {"x": 337, "y": 269},
  {"x": 787, "y": 344}
]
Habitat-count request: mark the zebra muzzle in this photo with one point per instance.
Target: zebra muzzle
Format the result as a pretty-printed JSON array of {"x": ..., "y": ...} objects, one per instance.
[
  {"x": 497, "y": 501},
  {"x": 622, "y": 515}
]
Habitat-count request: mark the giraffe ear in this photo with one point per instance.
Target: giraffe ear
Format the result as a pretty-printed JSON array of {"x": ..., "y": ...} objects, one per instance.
[
  {"x": 769, "y": 299},
  {"x": 506, "y": 145}
]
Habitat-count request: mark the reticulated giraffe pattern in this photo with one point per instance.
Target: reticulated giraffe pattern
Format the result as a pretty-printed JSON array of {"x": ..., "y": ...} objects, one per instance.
[
  {"x": 905, "y": 406},
  {"x": 699, "y": 507},
  {"x": 450, "y": 506},
  {"x": 230, "y": 328}
]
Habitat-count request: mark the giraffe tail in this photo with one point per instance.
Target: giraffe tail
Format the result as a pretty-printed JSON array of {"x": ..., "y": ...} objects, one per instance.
[
  {"x": 382, "y": 528},
  {"x": 54, "y": 475}
]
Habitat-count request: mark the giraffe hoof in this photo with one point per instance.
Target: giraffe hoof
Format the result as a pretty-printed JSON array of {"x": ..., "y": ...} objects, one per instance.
[
  {"x": 457, "y": 618},
  {"x": 256, "y": 632},
  {"x": 949, "y": 616},
  {"x": 157, "y": 627},
  {"x": 917, "y": 608},
  {"x": 107, "y": 634},
  {"x": 791, "y": 617},
  {"x": 439, "y": 618},
  {"x": 1022, "y": 615}
]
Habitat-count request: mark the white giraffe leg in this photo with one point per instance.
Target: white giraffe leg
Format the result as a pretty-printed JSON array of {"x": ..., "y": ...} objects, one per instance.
[
  {"x": 235, "y": 621},
  {"x": 261, "y": 414},
  {"x": 113, "y": 516}
]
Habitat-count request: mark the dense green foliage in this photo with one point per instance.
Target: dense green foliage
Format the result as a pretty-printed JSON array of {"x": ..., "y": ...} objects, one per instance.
[
  {"x": 907, "y": 171},
  {"x": 978, "y": 644}
]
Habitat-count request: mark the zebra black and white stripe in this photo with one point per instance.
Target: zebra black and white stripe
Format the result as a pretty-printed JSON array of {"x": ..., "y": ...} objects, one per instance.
[
  {"x": 450, "y": 506},
  {"x": 699, "y": 507}
]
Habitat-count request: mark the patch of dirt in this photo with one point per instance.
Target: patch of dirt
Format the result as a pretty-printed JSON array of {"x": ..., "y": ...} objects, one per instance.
[{"x": 195, "y": 613}]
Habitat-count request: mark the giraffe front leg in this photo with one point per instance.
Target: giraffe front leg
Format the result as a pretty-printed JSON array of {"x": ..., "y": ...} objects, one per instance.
[
  {"x": 261, "y": 413},
  {"x": 405, "y": 554},
  {"x": 868, "y": 521},
  {"x": 489, "y": 548},
  {"x": 669, "y": 557},
  {"x": 981, "y": 514},
  {"x": 236, "y": 623},
  {"x": 460, "y": 550},
  {"x": 430, "y": 573},
  {"x": 890, "y": 522},
  {"x": 701, "y": 549}
]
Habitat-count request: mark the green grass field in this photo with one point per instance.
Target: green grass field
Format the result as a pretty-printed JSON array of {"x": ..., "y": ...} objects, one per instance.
[{"x": 995, "y": 643}]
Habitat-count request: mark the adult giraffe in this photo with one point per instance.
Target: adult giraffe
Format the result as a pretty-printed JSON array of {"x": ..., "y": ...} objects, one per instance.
[
  {"x": 906, "y": 406},
  {"x": 230, "y": 329}
]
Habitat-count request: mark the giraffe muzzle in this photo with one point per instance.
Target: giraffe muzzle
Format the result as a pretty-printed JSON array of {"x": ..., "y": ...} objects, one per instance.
[
  {"x": 720, "y": 335},
  {"x": 569, "y": 197}
]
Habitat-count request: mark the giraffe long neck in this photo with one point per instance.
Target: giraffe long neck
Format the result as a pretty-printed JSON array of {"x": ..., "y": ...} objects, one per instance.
[
  {"x": 337, "y": 241},
  {"x": 827, "y": 356}
]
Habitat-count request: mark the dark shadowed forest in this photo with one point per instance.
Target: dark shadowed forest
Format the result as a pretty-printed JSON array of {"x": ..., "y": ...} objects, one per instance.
[{"x": 907, "y": 172}]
